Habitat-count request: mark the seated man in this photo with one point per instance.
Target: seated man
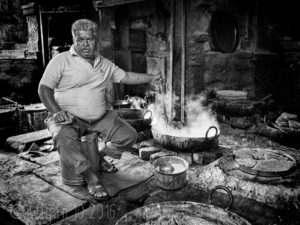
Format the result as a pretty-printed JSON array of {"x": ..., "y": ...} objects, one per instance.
[{"x": 73, "y": 90}]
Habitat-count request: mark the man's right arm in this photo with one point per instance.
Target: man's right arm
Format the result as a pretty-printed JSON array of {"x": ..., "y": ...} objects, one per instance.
[{"x": 47, "y": 96}]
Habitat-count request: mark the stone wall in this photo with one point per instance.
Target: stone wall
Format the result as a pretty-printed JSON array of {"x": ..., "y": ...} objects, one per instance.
[
  {"x": 277, "y": 29},
  {"x": 266, "y": 60},
  {"x": 13, "y": 27},
  {"x": 229, "y": 71},
  {"x": 207, "y": 67},
  {"x": 19, "y": 75}
]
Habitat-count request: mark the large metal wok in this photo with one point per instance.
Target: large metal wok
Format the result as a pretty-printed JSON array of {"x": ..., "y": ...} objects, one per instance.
[
  {"x": 187, "y": 144},
  {"x": 175, "y": 213}
]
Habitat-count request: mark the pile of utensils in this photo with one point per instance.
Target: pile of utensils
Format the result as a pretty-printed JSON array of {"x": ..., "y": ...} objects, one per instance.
[{"x": 287, "y": 122}]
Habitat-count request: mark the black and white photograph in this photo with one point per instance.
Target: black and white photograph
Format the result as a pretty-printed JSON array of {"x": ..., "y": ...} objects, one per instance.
[{"x": 149, "y": 112}]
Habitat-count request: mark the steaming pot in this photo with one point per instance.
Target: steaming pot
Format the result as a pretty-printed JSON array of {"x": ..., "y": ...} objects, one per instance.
[{"x": 187, "y": 144}]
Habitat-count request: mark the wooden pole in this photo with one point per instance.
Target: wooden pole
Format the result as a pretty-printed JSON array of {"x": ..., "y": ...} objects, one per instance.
[
  {"x": 255, "y": 27},
  {"x": 42, "y": 36},
  {"x": 183, "y": 58}
]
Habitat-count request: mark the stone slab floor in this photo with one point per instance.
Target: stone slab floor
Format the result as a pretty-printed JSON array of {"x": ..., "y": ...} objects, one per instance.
[{"x": 31, "y": 191}]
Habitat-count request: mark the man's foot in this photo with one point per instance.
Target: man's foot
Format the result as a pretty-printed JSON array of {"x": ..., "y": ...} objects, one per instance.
[
  {"x": 94, "y": 186},
  {"x": 107, "y": 167},
  {"x": 97, "y": 191}
]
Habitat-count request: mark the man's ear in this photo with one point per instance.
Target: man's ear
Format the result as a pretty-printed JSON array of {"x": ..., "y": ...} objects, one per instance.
[{"x": 98, "y": 46}]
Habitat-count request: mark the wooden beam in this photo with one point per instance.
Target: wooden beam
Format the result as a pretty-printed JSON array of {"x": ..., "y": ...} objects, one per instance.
[
  {"x": 107, "y": 42},
  {"x": 177, "y": 59},
  {"x": 22, "y": 142},
  {"x": 170, "y": 75}
]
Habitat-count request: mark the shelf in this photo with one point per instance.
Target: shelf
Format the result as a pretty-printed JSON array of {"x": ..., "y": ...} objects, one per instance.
[{"x": 59, "y": 12}]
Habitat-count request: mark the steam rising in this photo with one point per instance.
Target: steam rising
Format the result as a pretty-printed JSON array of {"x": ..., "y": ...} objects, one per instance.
[{"x": 198, "y": 119}]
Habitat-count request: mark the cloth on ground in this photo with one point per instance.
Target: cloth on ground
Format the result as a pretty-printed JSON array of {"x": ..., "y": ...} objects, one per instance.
[{"x": 131, "y": 171}]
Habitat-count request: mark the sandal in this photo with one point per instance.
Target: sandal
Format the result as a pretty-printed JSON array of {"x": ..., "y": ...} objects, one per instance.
[
  {"x": 97, "y": 191},
  {"x": 107, "y": 167}
]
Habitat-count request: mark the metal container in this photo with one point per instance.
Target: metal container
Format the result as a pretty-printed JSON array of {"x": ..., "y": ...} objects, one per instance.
[
  {"x": 117, "y": 104},
  {"x": 187, "y": 144},
  {"x": 139, "y": 119},
  {"x": 7, "y": 114},
  {"x": 32, "y": 118},
  {"x": 170, "y": 172},
  {"x": 181, "y": 212},
  {"x": 8, "y": 122}
]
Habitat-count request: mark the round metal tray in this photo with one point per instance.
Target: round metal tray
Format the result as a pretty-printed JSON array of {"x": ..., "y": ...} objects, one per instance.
[
  {"x": 251, "y": 171},
  {"x": 181, "y": 212},
  {"x": 224, "y": 31}
]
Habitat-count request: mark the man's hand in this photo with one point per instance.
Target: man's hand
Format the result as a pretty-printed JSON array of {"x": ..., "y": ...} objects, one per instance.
[
  {"x": 159, "y": 79},
  {"x": 63, "y": 117}
]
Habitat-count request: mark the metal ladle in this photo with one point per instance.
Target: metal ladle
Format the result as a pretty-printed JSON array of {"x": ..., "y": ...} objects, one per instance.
[
  {"x": 167, "y": 169},
  {"x": 162, "y": 91}
]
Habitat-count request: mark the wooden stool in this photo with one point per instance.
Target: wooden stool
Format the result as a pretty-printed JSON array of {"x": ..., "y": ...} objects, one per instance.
[{"x": 90, "y": 146}]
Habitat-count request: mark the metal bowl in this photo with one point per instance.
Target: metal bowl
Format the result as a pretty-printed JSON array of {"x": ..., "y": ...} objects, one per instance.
[{"x": 170, "y": 172}]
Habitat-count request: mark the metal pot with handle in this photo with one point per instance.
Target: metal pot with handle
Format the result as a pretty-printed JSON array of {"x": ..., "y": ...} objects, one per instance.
[
  {"x": 139, "y": 119},
  {"x": 187, "y": 144},
  {"x": 181, "y": 212}
]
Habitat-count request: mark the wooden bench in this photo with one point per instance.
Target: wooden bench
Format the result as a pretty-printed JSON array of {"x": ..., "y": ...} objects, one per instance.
[{"x": 22, "y": 142}]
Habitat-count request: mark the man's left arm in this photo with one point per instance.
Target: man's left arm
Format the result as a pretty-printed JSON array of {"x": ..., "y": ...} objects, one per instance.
[{"x": 140, "y": 78}]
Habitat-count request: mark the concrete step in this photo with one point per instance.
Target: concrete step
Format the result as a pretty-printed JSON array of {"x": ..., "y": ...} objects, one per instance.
[
  {"x": 51, "y": 173},
  {"x": 29, "y": 198}
]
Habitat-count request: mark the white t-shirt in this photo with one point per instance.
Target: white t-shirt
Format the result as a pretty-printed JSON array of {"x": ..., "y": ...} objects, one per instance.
[{"x": 79, "y": 86}]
